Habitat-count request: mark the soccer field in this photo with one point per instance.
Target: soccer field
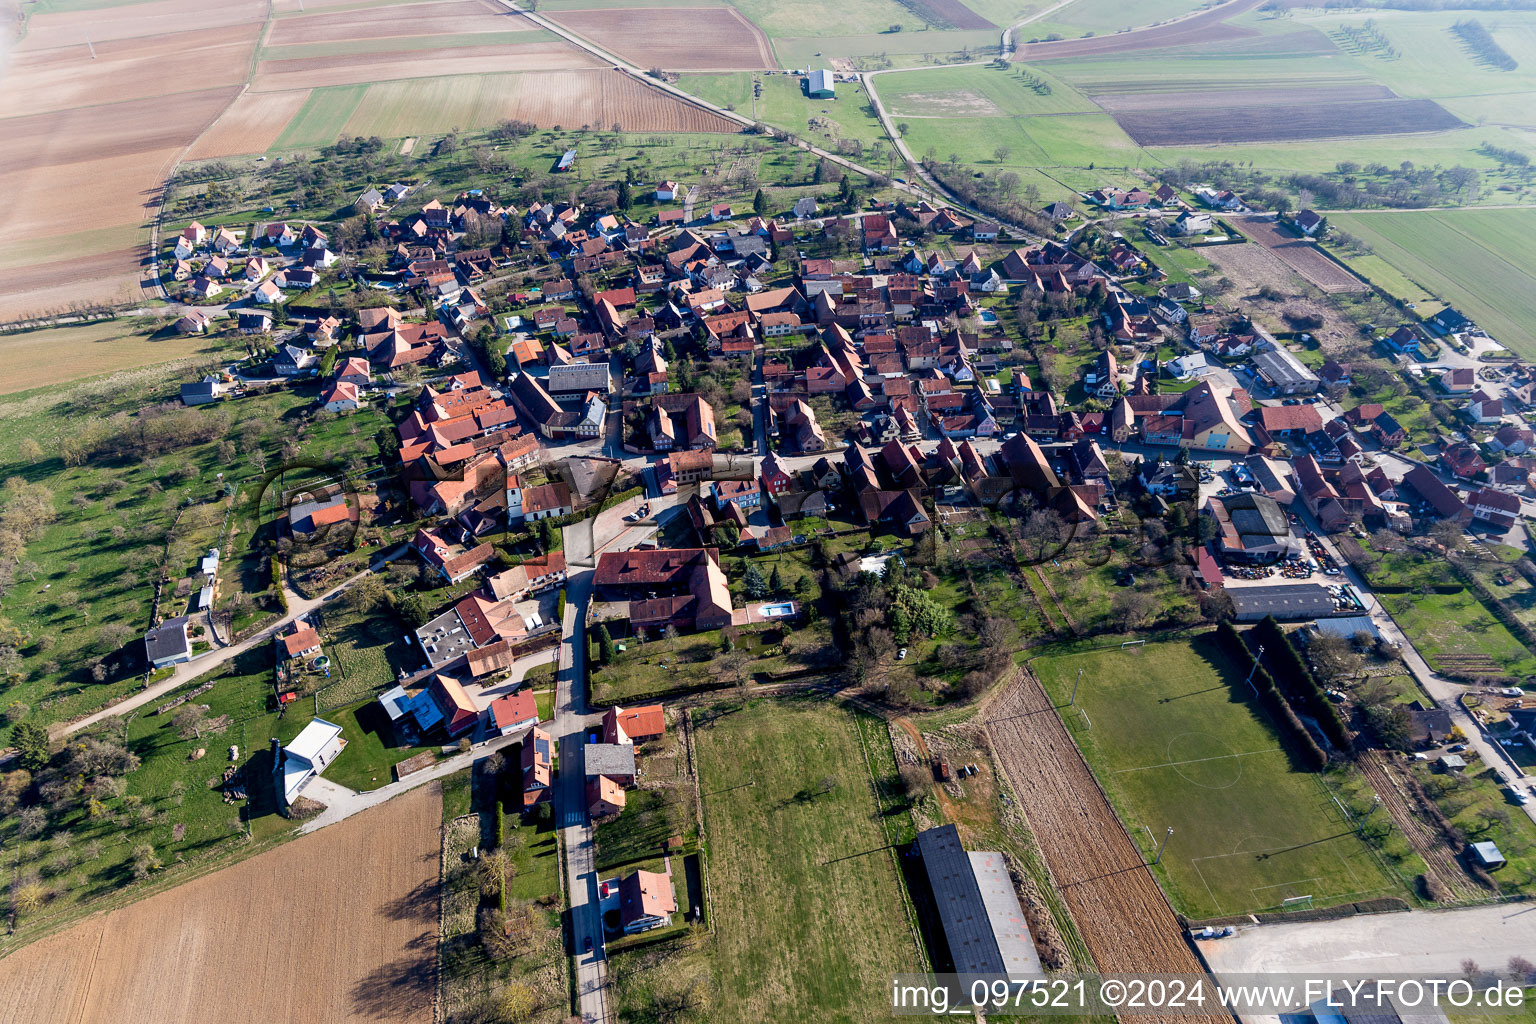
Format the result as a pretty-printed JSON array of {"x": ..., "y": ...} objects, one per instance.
[{"x": 1175, "y": 744}]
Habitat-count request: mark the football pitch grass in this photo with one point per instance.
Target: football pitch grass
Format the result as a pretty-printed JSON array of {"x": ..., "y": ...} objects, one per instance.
[{"x": 1174, "y": 737}]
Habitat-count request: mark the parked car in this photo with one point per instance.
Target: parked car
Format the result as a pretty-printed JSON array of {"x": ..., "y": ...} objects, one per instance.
[{"x": 901, "y": 655}]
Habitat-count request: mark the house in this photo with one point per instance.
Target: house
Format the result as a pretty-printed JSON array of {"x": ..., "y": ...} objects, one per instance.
[
  {"x": 302, "y": 642},
  {"x": 202, "y": 392},
  {"x": 313, "y": 514},
  {"x": 677, "y": 587},
  {"x": 1497, "y": 508},
  {"x": 1310, "y": 223},
  {"x": 1287, "y": 421},
  {"x": 1513, "y": 440},
  {"x": 538, "y": 762},
  {"x": 355, "y": 371},
  {"x": 820, "y": 85},
  {"x": 1463, "y": 460},
  {"x": 666, "y": 192},
  {"x": 316, "y": 746},
  {"x": 444, "y": 703},
  {"x": 1439, "y": 498},
  {"x": 805, "y": 207},
  {"x": 292, "y": 361},
  {"x": 1403, "y": 341},
  {"x": 548, "y": 501},
  {"x": 1449, "y": 321},
  {"x": 168, "y": 644},
  {"x": 513, "y": 712},
  {"x": 634, "y": 725},
  {"x": 1484, "y": 408},
  {"x": 646, "y": 901},
  {"x": 1461, "y": 380},
  {"x": 1102, "y": 378},
  {"x": 341, "y": 397},
  {"x": 776, "y": 476},
  {"x": 203, "y": 287},
  {"x": 452, "y": 562}
]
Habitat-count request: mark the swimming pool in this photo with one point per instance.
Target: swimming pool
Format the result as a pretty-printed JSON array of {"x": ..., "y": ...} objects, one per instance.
[{"x": 777, "y": 611}]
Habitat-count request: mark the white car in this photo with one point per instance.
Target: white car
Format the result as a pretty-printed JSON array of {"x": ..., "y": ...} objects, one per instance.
[{"x": 901, "y": 655}]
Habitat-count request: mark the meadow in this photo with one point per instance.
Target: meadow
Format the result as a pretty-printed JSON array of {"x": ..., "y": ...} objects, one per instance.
[
  {"x": 1475, "y": 260},
  {"x": 783, "y": 104},
  {"x": 1175, "y": 740},
  {"x": 806, "y": 894}
]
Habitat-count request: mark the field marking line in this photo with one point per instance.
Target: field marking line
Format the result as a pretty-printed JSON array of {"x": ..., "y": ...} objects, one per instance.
[
  {"x": 1197, "y": 760},
  {"x": 1194, "y": 862}
]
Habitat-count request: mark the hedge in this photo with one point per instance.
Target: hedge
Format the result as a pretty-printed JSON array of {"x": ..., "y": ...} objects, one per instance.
[
  {"x": 1303, "y": 684},
  {"x": 1270, "y": 697},
  {"x": 277, "y": 583}
]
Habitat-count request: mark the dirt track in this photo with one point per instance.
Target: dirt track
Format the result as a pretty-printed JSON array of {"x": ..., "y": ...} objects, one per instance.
[
  {"x": 338, "y": 926},
  {"x": 1119, "y": 909}
]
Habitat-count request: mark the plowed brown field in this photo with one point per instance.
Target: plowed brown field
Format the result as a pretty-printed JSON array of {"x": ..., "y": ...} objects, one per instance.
[
  {"x": 46, "y": 31},
  {"x": 250, "y": 125},
  {"x": 125, "y": 69},
  {"x": 1117, "y": 905},
  {"x": 1206, "y": 27},
  {"x": 451, "y": 17},
  {"x": 1301, "y": 256},
  {"x": 338, "y": 926},
  {"x": 675, "y": 38},
  {"x": 356, "y": 68}
]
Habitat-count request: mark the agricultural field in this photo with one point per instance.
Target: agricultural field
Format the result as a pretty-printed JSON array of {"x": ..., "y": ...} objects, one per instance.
[
  {"x": 1474, "y": 260},
  {"x": 1300, "y": 254},
  {"x": 57, "y": 355},
  {"x": 1105, "y": 17},
  {"x": 978, "y": 92},
  {"x": 93, "y": 134},
  {"x": 1457, "y": 635},
  {"x": 790, "y": 810},
  {"x": 783, "y": 103},
  {"x": 1175, "y": 742},
  {"x": 1211, "y": 25},
  {"x": 1258, "y": 122},
  {"x": 359, "y": 915},
  {"x": 675, "y": 39}
]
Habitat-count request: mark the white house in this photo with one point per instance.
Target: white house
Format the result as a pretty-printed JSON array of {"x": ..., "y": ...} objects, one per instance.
[
  {"x": 341, "y": 397},
  {"x": 514, "y": 712},
  {"x": 168, "y": 644},
  {"x": 312, "y": 750},
  {"x": 666, "y": 191}
]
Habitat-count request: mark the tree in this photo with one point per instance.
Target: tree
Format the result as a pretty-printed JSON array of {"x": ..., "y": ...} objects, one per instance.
[
  {"x": 626, "y": 195},
  {"x": 1000, "y": 153},
  {"x": 191, "y": 720},
  {"x": 495, "y": 869},
  {"x": 31, "y": 743},
  {"x": 604, "y": 644},
  {"x": 1044, "y": 532},
  {"x": 775, "y": 581},
  {"x": 517, "y": 1003},
  {"x": 753, "y": 583},
  {"x": 365, "y": 595},
  {"x": 144, "y": 861},
  {"x": 31, "y": 821},
  {"x": 1448, "y": 534},
  {"x": 760, "y": 203},
  {"x": 28, "y": 897},
  {"x": 30, "y": 450}
]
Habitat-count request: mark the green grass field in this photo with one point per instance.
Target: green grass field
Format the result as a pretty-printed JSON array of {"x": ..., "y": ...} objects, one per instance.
[
  {"x": 1105, "y": 17},
  {"x": 789, "y": 18},
  {"x": 785, "y": 105},
  {"x": 1475, "y": 260},
  {"x": 806, "y": 896},
  {"x": 1176, "y": 744},
  {"x": 1443, "y": 626},
  {"x": 320, "y": 121},
  {"x": 984, "y": 90}
]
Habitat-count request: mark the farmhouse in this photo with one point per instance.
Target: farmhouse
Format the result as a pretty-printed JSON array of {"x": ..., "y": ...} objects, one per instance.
[
  {"x": 979, "y": 914},
  {"x": 316, "y": 746},
  {"x": 681, "y": 587}
]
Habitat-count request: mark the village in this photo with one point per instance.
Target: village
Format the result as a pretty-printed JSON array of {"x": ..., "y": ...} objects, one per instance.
[{"x": 628, "y": 469}]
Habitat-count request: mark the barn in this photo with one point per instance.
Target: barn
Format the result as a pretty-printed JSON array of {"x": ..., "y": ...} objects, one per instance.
[
  {"x": 976, "y": 906},
  {"x": 819, "y": 85}
]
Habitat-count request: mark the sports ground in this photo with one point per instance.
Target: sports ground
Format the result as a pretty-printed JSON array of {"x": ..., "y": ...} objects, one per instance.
[{"x": 1175, "y": 744}]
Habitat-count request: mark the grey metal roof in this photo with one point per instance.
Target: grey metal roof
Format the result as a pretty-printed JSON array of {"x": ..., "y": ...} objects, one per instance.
[
  {"x": 1282, "y": 600},
  {"x": 1283, "y": 368},
  {"x": 983, "y": 925},
  {"x": 1258, "y": 519},
  {"x": 610, "y": 759}
]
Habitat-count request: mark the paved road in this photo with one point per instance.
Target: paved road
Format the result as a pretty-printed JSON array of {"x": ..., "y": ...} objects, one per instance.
[
  {"x": 185, "y": 673},
  {"x": 1418, "y": 941}
]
